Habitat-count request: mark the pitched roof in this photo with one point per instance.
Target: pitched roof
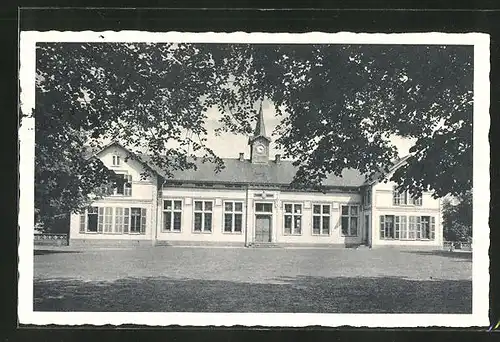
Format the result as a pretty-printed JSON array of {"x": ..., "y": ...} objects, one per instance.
[{"x": 246, "y": 172}]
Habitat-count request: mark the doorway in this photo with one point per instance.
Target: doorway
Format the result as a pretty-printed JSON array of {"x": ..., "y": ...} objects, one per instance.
[{"x": 262, "y": 228}]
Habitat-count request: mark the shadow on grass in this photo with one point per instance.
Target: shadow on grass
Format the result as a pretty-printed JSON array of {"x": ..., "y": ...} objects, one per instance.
[
  {"x": 300, "y": 294},
  {"x": 51, "y": 251},
  {"x": 455, "y": 255}
]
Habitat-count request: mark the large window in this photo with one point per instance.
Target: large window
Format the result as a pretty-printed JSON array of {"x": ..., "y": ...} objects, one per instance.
[
  {"x": 407, "y": 228},
  {"x": 293, "y": 219},
  {"x": 233, "y": 217},
  {"x": 113, "y": 220},
  {"x": 137, "y": 220},
  {"x": 321, "y": 219},
  {"x": 203, "y": 216},
  {"x": 405, "y": 198},
  {"x": 350, "y": 220},
  {"x": 172, "y": 215}
]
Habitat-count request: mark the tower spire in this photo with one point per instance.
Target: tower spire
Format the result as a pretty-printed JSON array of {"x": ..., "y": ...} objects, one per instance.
[{"x": 260, "y": 128}]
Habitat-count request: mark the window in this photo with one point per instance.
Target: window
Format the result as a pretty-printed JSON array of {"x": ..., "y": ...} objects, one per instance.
[
  {"x": 172, "y": 215},
  {"x": 426, "y": 227},
  {"x": 264, "y": 207},
  {"x": 349, "y": 220},
  {"x": 137, "y": 220},
  {"x": 387, "y": 227},
  {"x": 411, "y": 228},
  {"x": 404, "y": 198},
  {"x": 102, "y": 220},
  {"x": 88, "y": 220},
  {"x": 203, "y": 216},
  {"x": 321, "y": 219},
  {"x": 116, "y": 160},
  {"x": 293, "y": 219},
  {"x": 123, "y": 185},
  {"x": 108, "y": 220},
  {"x": 233, "y": 217}
]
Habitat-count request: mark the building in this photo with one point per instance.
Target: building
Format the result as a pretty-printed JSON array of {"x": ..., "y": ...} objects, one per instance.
[{"x": 250, "y": 203}]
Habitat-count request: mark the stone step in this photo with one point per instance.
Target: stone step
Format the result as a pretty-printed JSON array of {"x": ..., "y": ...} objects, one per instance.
[{"x": 265, "y": 245}]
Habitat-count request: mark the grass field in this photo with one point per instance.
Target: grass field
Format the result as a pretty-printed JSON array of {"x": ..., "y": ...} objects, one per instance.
[{"x": 169, "y": 279}]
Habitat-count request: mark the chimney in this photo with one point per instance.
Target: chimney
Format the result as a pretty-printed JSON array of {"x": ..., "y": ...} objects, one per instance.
[
  {"x": 277, "y": 158},
  {"x": 242, "y": 156}
]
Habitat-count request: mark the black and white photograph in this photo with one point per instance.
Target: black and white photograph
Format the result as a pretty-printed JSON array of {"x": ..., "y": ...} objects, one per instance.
[{"x": 240, "y": 178}]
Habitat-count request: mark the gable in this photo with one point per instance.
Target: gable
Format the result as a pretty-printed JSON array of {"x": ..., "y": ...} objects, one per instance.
[{"x": 115, "y": 152}]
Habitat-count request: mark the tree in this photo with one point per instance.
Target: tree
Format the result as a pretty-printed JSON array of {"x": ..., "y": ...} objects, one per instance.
[
  {"x": 339, "y": 105},
  {"x": 457, "y": 219}
]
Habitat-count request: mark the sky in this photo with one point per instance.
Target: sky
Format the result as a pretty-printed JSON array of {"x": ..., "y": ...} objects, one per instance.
[{"x": 229, "y": 145}]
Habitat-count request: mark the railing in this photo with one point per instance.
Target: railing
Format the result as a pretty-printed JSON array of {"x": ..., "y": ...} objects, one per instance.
[
  {"x": 456, "y": 245},
  {"x": 53, "y": 239}
]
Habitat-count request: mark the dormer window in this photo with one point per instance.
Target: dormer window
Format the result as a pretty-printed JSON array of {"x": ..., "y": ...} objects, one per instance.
[{"x": 116, "y": 160}]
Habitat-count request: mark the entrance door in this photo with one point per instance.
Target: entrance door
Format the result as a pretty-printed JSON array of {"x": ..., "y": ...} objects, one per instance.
[{"x": 262, "y": 228}]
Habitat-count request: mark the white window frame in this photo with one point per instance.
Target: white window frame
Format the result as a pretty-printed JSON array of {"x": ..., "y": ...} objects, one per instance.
[
  {"x": 321, "y": 215},
  {"x": 233, "y": 214},
  {"x": 171, "y": 213},
  {"x": 349, "y": 216},
  {"x": 203, "y": 212},
  {"x": 293, "y": 215}
]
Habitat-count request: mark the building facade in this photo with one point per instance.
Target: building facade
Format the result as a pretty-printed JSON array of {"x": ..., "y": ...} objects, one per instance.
[{"x": 250, "y": 203}]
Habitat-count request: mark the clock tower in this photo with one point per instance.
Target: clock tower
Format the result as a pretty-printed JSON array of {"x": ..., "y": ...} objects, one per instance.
[{"x": 259, "y": 142}]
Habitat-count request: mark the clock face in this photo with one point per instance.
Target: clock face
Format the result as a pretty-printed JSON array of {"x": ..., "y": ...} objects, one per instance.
[{"x": 260, "y": 148}]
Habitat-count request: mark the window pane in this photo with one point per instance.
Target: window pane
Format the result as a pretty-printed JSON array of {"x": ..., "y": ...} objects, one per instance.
[
  {"x": 167, "y": 221},
  {"x": 288, "y": 208},
  {"x": 288, "y": 230},
  {"x": 228, "y": 222},
  {"x": 268, "y": 207},
  {"x": 316, "y": 224},
  {"x": 208, "y": 222},
  {"x": 316, "y": 209},
  {"x": 167, "y": 205},
  {"x": 136, "y": 211},
  {"x": 354, "y": 210},
  {"x": 238, "y": 222},
  {"x": 238, "y": 206},
  {"x": 197, "y": 222},
  {"x": 288, "y": 223},
  {"x": 326, "y": 225},
  {"x": 259, "y": 207},
  {"x": 326, "y": 209},
  {"x": 345, "y": 210},
  {"x": 345, "y": 226},
  {"x": 208, "y": 206},
  {"x": 177, "y": 205},
  {"x": 228, "y": 206},
  {"x": 298, "y": 208},
  {"x": 198, "y": 205},
  {"x": 354, "y": 226},
  {"x": 177, "y": 221},
  {"x": 297, "y": 225}
]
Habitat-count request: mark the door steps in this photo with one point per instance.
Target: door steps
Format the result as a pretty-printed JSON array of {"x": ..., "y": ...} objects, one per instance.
[{"x": 265, "y": 245}]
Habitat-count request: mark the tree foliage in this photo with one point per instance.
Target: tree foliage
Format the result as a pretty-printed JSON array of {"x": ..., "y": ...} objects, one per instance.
[
  {"x": 339, "y": 106},
  {"x": 457, "y": 219}
]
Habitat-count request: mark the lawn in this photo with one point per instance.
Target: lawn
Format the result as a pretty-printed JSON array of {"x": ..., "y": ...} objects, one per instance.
[{"x": 253, "y": 280}]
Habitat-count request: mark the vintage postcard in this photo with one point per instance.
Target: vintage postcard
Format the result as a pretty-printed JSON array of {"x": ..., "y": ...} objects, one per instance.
[{"x": 254, "y": 179}]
